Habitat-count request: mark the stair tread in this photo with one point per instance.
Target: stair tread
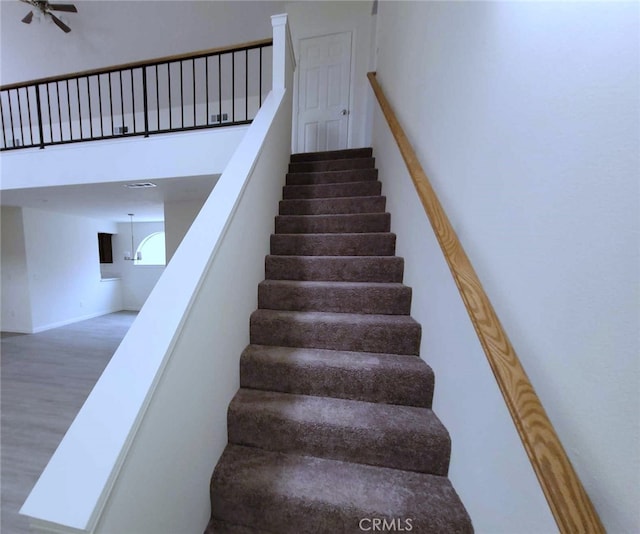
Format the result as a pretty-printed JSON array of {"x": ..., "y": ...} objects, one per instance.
[
  {"x": 320, "y": 284},
  {"x": 333, "y": 223},
  {"x": 331, "y": 177},
  {"x": 402, "y": 437},
  {"x": 334, "y": 244},
  {"x": 347, "y": 153},
  {"x": 336, "y": 317},
  {"x": 336, "y": 190},
  {"x": 368, "y": 376},
  {"x": 389, "y": 334},
  {"x": 333, "y": 205},
  {"x": 293, "y": 494},
  {"x": 355, "y": 268},
  {"x": 357, "y": 297},
  {"x": 332, "y": 164}
]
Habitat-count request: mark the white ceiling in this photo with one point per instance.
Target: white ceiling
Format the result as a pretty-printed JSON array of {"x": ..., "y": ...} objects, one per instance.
[{"x": 112, "y": 201}]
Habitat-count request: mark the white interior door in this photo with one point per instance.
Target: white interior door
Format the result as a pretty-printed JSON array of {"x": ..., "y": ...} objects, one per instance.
[{"x": 323, "y": 92}]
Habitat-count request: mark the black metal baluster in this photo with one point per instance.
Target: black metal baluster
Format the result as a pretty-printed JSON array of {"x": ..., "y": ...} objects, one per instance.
[
  {"x": 144, "y": 101},
  {"x": 20, "y": 116},
  {"x": 246, "y": 85},
  {"x": 13, "y": 135},
  {"x": 169, "y": 82},
  {"x": 220, "y": 88},
  {"x": 29, "y": 115},
  {"x": 260, "y": 90},
  {"x": 206, "y": 85},
  {"x": 50, "y": 123},
  {"x": 59, "y": 110},
  {"x": 181, "y": 98},
  {"x": 79, "y": 107},
  {"x": 158, "y": 97},
  {"x": 233, "y": 87},
  {"x": 100, "y": 107},
  {"x": 133, "y": 103},
  {"x": 89, "y": 103},
  {"x": 111, "y": 103},
  {"x": 121, "y": 102},
  {"x": 4, "y": 137},
  {"x": 69, "y": 108},
  {"x": 39, "y": 109},
  {"x": 193, "y": 67}
]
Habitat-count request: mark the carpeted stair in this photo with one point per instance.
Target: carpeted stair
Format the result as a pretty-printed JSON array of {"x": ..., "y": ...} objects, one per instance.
[{"x": 332, "y": 431}]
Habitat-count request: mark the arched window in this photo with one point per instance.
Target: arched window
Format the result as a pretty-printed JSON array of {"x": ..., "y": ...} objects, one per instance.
[{"x": 152, "y": 249}]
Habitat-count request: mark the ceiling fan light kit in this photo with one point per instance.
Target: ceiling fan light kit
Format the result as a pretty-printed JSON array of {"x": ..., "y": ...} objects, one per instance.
[{"x": 46, "y": 8}]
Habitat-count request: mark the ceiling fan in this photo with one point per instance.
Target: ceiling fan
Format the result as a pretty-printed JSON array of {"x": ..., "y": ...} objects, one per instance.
[{"x": 46, "y": 8}]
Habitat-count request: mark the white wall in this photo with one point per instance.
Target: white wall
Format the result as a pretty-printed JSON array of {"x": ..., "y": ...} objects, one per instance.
[
  {"x": 525, "y": 117},
  {"x": 316, "y": 18},
  {"x": 137, "y": 281},
  {"x": 63, "y": 268},
  {"x": 16, "y": 309},
  {"x": 110, "y": 33},
  {"x": 178, "y": 217}
]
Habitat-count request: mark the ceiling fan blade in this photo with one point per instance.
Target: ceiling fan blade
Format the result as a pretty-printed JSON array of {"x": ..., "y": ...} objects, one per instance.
[
  {"x": 28, "y": 18},
  {"x": 60, "y": 24},
  {"x": 69, "y": 8}
]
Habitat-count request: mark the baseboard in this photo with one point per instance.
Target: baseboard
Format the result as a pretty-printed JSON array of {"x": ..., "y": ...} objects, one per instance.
[{"x": 58, "y": 324}]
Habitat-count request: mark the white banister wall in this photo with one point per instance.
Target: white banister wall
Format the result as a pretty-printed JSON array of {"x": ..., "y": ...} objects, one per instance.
[{"x": 139, "y": 456}]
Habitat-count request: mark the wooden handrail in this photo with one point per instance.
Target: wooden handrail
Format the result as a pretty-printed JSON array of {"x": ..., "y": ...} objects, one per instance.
[
  {"x": 143, "y": 63},
  {"x": 569, "y": 502}
]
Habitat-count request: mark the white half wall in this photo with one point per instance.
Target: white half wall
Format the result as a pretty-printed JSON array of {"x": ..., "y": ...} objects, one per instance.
[
  {"x": 16, "y": 303},
  {"x": 63, "y": 268},
  {"x": 316, "y": 18},
  {"x": 525, "y": 115},
  {"x": 197, "y": 153}
]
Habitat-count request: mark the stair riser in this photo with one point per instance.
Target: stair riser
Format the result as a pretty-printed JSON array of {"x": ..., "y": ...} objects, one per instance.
[
  {"x": 354, "y": 336},
  {"x": 331, "y": 177},
  {"x": 373, "y": 204},
  {"x": 340, "y": 269},
  {"x": 389, "y": 301},
  {"x": 348, "y": 153},
  {"x": 398, "y": 437},
  {"x": 351, "y": 189},
  {"x": 327, "y": 224},
  {"x": 332, "y": 165},
  {"x": 381, "y": 244},
  {"x": 406, "y": 380}
]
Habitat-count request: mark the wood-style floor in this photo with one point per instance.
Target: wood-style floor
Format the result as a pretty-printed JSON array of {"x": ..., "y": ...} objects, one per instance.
[{"x": 45, "y": 379}]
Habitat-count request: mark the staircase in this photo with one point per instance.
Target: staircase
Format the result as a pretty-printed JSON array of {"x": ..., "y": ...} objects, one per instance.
[{"x": 332, "y": 431}]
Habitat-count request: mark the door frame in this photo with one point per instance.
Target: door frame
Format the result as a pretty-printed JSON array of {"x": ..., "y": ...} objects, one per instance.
[{"x": 296, "y": 86}]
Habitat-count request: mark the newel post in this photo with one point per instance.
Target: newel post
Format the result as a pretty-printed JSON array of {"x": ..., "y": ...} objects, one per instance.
[{"x": 283, "y": 57}]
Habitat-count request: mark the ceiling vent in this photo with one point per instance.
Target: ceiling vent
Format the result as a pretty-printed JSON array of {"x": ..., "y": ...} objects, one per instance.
[{"x": 140, "y": 185}]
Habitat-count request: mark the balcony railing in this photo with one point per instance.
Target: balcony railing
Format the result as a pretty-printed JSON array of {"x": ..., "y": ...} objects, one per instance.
[{"x": 206, "y": 89}]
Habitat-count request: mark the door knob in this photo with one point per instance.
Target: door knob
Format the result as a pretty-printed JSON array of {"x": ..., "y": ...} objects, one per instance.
[{"x": 344, "y": 112}]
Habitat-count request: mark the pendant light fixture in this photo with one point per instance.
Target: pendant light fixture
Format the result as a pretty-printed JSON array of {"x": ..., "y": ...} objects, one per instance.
[{"x": 128, "y": 253}]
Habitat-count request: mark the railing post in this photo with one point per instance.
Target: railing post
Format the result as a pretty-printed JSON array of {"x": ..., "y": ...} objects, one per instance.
[
  {"x": 144, "y": 101},
  {"x": 39, "y": 108},
  {"x": 283, "y": 58}
]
